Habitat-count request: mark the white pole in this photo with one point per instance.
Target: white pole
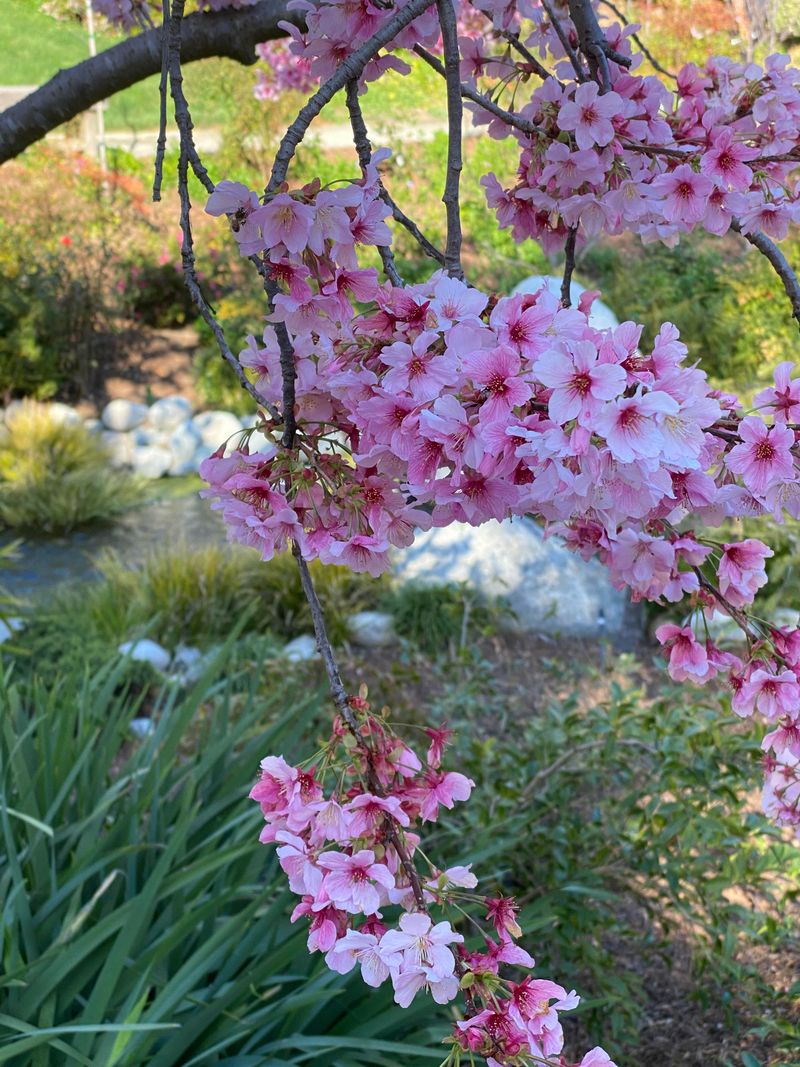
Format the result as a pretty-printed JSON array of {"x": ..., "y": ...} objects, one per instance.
[{"x": 100, "y": 141}]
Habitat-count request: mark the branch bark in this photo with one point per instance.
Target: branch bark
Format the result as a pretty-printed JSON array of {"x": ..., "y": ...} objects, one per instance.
[{"x": 230, "y": 34}]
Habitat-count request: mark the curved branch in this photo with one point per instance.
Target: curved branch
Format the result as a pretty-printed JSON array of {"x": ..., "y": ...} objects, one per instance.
[
  {"x": 779, "y": 263},
  {"x": 231, "y": 34}
]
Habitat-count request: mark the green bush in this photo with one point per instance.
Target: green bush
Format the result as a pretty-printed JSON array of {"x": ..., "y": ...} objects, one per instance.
[
  {"x": 618, "y": 827},
  {"x": 143, "y": 922},
  {"x": 438, "y": 618},
  {"x": 55, "y": 477},
  {"x": 192, "y": 596}
]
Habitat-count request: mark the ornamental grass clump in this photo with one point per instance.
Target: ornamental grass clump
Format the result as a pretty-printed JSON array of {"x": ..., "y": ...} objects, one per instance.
[{"x": 55, "y": 476}]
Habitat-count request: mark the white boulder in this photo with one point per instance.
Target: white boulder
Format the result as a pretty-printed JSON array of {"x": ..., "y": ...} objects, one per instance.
[
  {"x": 182, "y": 443},
  {"x": 123, "y": 415},
  {"x": 150, "y": 461},
  {"x": 301, "y": 648},
  {"x": 169, "y": 413},
  {"x": 215, "y": 427},
  {"x": 119, "y": 447},
  {"x": 146, "y": 651},
  {"x": 142, "y": 728},
  {"x": 601, "y": 316},
  {"x": 63, "y": 414},
  {"x": 549, "y": 589},
  {"x": 371, "y": 629}
]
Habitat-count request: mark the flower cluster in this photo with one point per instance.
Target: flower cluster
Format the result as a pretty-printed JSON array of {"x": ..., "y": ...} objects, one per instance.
[
  {"x": 650, "y": 161},
  {"x": 349, "y": 853},
  {"x": 435, "y": 403}
]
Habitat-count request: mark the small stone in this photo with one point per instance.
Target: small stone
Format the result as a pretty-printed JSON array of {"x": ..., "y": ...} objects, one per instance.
[
  {"x": 63, "y": 414},
  {"x": 371, "y": 629},
  {"x": 150, "y": 461},
  {"x": 216, "y": 427},
  {"x": 123, "y": 415},
  {"x": 142, "y": 728},
  {"x": 303, "y": 647},
  {"x": 169, "y": 413},
  {"x": 188, "y": 664},
  {"x": 119, "y": 447},
  {"x": 146, "y": 651},
  {"x": 93, "y": 426}
]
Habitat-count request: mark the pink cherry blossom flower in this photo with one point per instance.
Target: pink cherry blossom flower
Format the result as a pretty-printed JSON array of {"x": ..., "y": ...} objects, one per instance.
[
  {"x": 285, "y": 221},
  {"x": 630, "y": 427},
  {"x": 362, "y": 949},
  {"x": 741, "y": 570},
  {"x": 579, "y": 382},
  {"x": 784, "y": 398},
  {"x": 764, "y": 457},
  {"x": 421, "y": 944},
  {"x": 442, "y": 788},
  {"x": 685, "y": 194},
  {"x": 497, "y": 370},
  {"x": 688, "y": 659},
  {"x": 349, "y": 881},
  {"x": 367, "y": 812},
  {"x": 589, "y": 115},
  {"x": 725, "y": 160},
  {"x": 771, "y": 694}
]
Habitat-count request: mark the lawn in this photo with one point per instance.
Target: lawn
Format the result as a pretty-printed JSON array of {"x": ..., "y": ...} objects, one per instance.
[{"x": 34, "y": 46}]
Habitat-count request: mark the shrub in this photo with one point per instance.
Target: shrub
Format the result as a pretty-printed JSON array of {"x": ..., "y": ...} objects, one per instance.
[
  {"x": 437, "y": 618},
  {"x": 54, "y": 477},
  {"x": 195, "y": 596},
  {"x": 143, "y": 923}
]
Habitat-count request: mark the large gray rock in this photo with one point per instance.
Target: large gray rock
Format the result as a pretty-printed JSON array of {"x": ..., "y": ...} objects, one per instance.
[
  {"x": 601, "y": 316},
  {"x": 215, "y": 427},
  {"x": 123, "y": 415},
  {"x": 549, "y": 588},
  {"x": 150, "y": 461},
  {"x": 169, "y": 413}
]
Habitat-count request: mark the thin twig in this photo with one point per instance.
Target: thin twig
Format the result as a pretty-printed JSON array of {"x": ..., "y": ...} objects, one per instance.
[
  {"x": 408, "y": 223},
  {"x": 517, "y": 121},
  {"x": 778, "y": 260},
  {"x": 364, "y": 150},
  {"x": 569, "y": 267},
  {"x": 163, "y": 89},
  {"x": 639, "y": 43},
  {"x": 593, "y": 41},
  {"x": 587, "y": 746},
  {"x": 183, "y": 117},
  {"x": 452, "y": 64},
  {"x": 350, "y": 70}
]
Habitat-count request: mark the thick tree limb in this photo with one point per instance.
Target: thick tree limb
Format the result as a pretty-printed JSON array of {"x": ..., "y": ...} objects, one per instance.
[{"x": 231, "y": 34}]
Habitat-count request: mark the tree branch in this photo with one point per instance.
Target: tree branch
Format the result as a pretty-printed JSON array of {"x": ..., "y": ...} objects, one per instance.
[
  {"x": 778, "y": 260},
  {"x": 231, "y": 34},
  {"x": 350, "y": 69},
  {"x": 364, "y": 150},
  {"x": 452, "y": 65}
]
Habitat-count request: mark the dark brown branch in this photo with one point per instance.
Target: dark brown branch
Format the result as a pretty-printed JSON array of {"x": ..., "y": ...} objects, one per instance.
[
  {"x": 779, "y": 262},
  {"x": 569, "y": 267},
  {"x": 232, "y": 34},
  {"x": 580, "y": 73},
  {"x": 364, "y": 150},
  {"x": 350, "y": 70},
  {"x": 163, "y": 89},
  {"x": 593, "y": 42},
  {"x": 183, "y": 117},
  {"x": 452, "y": 66}
]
